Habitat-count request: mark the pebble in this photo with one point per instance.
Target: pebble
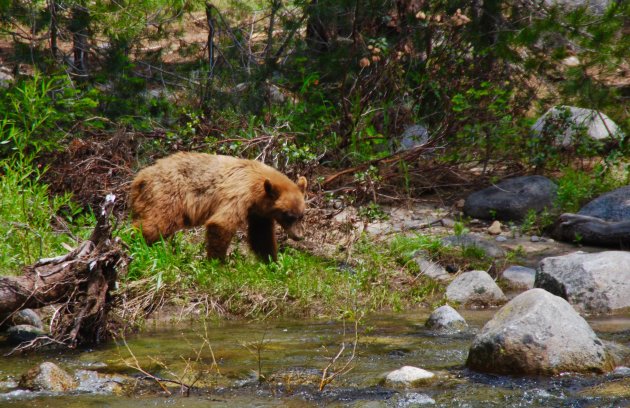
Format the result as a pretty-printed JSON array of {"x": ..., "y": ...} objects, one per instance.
[{"x": 494, "y": 228}]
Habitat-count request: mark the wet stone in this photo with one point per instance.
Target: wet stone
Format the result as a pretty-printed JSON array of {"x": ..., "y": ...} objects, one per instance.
[
  {"x": 47, "y": 377},
  {"x": 97, "y": 383},
  {"x": 446, "y": 320},
  {"x": 408, "y": 376},
  {"x": 414, "y": 399}
]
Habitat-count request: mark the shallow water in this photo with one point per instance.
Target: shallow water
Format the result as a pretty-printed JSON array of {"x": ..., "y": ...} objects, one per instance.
[{"x": 292, "y": 355}]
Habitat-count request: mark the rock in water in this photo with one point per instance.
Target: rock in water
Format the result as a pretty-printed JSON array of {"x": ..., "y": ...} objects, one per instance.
[
  {"x": 475, "y": 288},
  {"x": 47, "y": 377},
  {"x": 445, "y": 319},
  {"x": 592, "y": 283},
  {"x": 97, "y": 383},
  {"x": 538, "y": 333},
  {"x": 512, "y": 199},
  {"x": 411, "y": 400},
  {"x": 408, "y": 376}
]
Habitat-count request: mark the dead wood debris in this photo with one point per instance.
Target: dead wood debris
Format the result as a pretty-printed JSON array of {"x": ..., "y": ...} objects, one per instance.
[{"x": 80, "y": 284}]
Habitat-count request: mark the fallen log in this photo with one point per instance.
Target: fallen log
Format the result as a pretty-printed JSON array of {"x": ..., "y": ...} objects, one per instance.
[
  {"x": 80, "y": 283},
  {"x": 591, "y": 230}
]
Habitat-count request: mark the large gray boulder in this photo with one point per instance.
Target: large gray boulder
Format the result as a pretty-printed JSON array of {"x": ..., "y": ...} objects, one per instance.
[
  {"x": 592, "y": 283},
  {"x": 475, "y": 288},
  {"x": 564, "y": 123},
  {"x": 512, "y": 199},
  {"x": 446, "y": 320},
  {"x": 612, "y": 206},
  {"x": 538, "y": 333}
]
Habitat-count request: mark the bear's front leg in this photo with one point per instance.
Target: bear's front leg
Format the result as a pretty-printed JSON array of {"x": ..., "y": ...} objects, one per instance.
[
  {"x": 218, "y": 238},
  {"x": 261, "y": 237}
]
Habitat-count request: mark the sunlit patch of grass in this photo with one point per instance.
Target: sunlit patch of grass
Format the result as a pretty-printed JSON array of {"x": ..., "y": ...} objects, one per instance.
[
  {"x": 298, "y": 284},
  {"x": 26, "y": 218}
]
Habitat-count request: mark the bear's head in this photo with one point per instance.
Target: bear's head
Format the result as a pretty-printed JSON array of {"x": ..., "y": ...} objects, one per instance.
[{"x": 287, "y": 205}]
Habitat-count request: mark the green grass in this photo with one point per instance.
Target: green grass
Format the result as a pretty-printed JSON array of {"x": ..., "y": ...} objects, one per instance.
[
  {"x": 26, "y": 215},
  {"x": 377, "y": 277},
  {"x": 577, "y": 187}
]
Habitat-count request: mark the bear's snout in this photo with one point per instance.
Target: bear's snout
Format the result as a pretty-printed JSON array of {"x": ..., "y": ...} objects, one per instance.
[{"x": 295, "y": 231}]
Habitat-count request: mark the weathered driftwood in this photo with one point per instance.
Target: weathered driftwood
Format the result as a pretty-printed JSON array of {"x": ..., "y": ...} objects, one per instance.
[
  {"x": 591, "y": 230},
  {"x": 80, "y": 283}
]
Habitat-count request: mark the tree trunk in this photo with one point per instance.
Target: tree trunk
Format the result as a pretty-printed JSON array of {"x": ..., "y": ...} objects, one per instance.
[
  {"x": 79, "y": 28},
  {"x": 54, "y": 28}
]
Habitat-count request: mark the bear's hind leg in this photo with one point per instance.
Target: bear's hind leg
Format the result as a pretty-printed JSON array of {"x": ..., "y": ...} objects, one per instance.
[
  {"x": 218, "y": 238},
  {"x": 261, "y": 237}
]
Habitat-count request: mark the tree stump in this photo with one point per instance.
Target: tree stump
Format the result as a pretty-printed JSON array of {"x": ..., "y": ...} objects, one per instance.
[{"x": 80, "y": 282}]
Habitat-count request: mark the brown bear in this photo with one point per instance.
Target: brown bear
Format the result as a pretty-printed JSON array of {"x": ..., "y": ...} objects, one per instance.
[{"x": 222, "y": 193}]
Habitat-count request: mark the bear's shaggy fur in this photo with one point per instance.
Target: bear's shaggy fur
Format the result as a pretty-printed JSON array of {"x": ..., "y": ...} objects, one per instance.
[{"x": 222, "y": 193}]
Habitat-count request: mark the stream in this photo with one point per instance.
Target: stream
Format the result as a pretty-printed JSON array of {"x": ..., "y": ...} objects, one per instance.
[{"x": 291, "y": 356}]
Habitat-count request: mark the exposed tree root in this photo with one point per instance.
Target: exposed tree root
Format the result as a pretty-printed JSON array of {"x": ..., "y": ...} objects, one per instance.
[{"x": 80, "y": 282}]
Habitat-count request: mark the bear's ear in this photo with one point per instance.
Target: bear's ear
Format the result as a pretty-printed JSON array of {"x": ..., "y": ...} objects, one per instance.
[
  {"x": 302, "y": 183},
  {"x": 270, "y": 190}
]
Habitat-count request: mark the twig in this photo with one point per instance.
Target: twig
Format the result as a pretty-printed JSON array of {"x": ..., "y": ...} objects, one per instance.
[
  {"x": 326, "y": 378},
  {"x": 136, "y": 366}
]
